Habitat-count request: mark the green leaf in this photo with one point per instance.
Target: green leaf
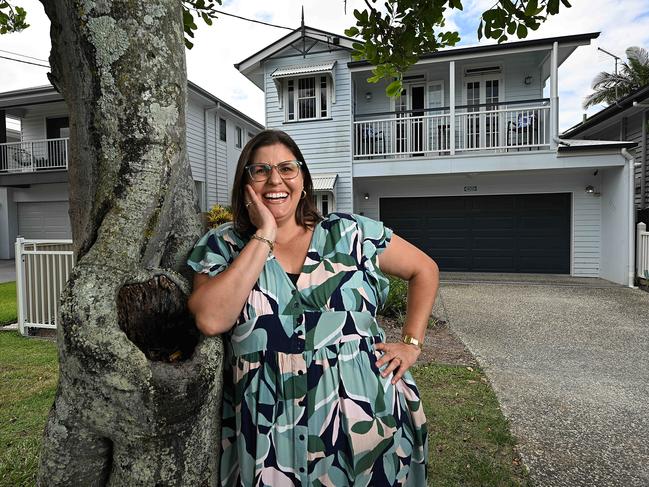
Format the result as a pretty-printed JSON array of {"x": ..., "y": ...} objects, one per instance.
[
  {"x": 531, "y": 8},
  {"x": 553, "y": 7},
  {"x": 188, "y": 44},
  {"x": 394, "y": 89},
  {"x": 353, "y": 31},
  {"x": 521, "y": 32},
  {"x": 511, "y": 28},
  {"x": 566, "y": 3}
]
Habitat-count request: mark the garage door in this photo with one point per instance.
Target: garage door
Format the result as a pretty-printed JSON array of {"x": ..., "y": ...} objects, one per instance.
[
  {"x": 44, "y": 220},
  {"x": 503, "y": 233}
]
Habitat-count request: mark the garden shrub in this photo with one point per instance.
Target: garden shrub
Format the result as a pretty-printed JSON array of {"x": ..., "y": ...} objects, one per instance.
[
  {"x": 395, "y": 305},
  {"x": 218, "y": 215}
]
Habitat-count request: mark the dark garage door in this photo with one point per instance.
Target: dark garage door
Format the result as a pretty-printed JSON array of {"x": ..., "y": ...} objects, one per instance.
[{"x": 503, "y": 233}]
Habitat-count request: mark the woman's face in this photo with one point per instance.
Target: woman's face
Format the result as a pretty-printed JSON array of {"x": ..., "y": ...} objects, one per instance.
[{"x": 281, "y": 196}]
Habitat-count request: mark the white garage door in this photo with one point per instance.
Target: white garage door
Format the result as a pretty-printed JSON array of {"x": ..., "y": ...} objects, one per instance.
[{"x": 44, "y": 220}]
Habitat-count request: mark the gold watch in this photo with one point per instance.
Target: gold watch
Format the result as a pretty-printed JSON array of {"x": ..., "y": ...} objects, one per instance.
[{"x": 412, "y": 341}]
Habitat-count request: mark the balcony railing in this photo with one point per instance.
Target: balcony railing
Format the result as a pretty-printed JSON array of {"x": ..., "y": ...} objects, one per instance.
[
  {"x": 34, "y": 155},
  {"x": 488, "y": 127}
]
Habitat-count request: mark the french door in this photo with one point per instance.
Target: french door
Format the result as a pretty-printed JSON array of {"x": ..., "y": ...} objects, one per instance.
[
  {"x": 483, "y": 127},
  {"x": 409, "y": 130}
]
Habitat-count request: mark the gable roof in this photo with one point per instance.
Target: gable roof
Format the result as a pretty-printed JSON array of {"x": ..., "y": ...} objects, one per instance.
[
  {"x": 336, "y": 41},
  {"x": 627, "y": 103},
  {"x": 38, "y": 95}
]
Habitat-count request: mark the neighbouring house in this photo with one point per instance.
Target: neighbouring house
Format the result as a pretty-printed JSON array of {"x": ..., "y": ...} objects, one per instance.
[
  {"x": 33, "y": 168},
  {"x": 625, "y": 120},
  {"x": 467, "y": 163}
]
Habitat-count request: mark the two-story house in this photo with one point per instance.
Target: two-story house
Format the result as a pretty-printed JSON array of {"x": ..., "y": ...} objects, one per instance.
[
  {"x": 466, "y": 163},
  {"x": 627, "y": 120},
  {"x": 33, "y": 170}
]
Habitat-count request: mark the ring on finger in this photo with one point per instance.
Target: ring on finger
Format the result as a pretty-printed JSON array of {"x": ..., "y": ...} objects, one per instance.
[
  {"x": 398, "y": 358},
  {"x": 248, "y": 203}
]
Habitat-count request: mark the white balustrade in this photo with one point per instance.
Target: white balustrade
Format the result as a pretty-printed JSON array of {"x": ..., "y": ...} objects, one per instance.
[{"x": 480, "y": 129}]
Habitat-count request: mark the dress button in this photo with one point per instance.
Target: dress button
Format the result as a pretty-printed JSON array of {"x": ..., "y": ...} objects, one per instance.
[
  {"x": 301, "y": 469},
  {"x": 296, "y": 304},
  {"x": 294, "y": 292},
  {"x": 301, "y": 437},
  {"x": 300, "y": 372},
  {"x": 299, "y": 332}
]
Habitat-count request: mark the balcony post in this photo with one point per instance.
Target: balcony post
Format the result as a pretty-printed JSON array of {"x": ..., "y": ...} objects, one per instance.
[
  {"x": 554, "y": 95},
  {"x": 451, "y": 94}
]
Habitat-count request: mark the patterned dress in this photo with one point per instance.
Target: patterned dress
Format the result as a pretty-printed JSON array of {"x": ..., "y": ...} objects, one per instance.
[{"x": 304, "y": 403}]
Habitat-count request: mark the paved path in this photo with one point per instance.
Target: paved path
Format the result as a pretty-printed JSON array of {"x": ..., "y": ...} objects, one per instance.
[
  {"x": 570, "y": 366},
  {"x": 7, "y": 270}
]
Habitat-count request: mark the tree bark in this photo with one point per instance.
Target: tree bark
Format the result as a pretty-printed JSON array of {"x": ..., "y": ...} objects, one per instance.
[{"x": 138, "y": 399}]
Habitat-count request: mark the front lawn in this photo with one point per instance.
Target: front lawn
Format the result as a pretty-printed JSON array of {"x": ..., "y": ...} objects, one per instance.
[
  {"x": 8, "y": 312},
  {"x": 469, "y": 445},
  {"x": 28, "y": 375}
]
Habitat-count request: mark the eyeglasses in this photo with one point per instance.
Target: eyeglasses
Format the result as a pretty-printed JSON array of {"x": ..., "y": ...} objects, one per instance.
[{"x": 286, "y": 170}]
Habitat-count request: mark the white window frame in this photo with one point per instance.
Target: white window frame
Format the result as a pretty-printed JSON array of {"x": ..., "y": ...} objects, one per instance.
[
  {"x": 238, "y": 137},
  {"x": 318, "y": 104},
  {"x": 330, "y": 201}
]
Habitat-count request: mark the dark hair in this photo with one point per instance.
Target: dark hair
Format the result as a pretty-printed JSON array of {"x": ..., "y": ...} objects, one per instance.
[{"x": 306, "y": 212}]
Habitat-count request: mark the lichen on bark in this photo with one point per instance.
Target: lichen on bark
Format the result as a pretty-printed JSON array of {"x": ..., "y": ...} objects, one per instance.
[{"x": 139, "y": 391}]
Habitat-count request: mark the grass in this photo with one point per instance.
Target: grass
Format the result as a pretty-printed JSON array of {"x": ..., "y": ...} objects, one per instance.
[
  {"x": 469, "y": 440},
  {"x": 28, "y": 375},
  {"x": 8, "y": 312}
]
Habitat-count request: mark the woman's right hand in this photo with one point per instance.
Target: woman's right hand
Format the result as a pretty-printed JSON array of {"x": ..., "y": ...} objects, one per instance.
[{"x": 260, "y": 215}]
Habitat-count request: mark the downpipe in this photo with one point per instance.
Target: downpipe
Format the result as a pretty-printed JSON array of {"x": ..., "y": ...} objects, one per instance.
[{"x": 631, "y": 220}]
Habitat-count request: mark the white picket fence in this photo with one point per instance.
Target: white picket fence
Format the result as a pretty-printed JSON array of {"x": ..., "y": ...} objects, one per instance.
[
  {"x": 642, "y": 253},
  {"x": 42, "y": 269}
]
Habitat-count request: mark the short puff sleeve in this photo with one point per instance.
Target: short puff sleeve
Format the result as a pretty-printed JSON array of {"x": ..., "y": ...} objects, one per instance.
[
  {"x": 375, "y": 236},
  {"x": 215, "y": 250}
]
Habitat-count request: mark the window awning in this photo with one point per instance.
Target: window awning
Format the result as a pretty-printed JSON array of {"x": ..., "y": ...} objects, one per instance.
[
  {"x": 302, "y": 70},
  {"x": 289, "y": 71},
  {"x": 324, "y": 182}
]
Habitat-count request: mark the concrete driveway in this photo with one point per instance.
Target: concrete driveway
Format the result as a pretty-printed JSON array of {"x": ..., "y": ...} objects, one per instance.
[
  {"x": 7, "y": 270},
  {"x": 569, "y": 361}
]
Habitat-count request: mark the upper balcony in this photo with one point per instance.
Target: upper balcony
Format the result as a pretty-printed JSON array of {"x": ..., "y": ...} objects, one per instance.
[
  {"x": 434, "y": 132},
  {"x": 34, "y": 156}
]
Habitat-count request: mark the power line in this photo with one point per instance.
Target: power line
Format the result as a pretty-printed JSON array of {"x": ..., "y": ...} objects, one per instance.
[
  {"x": 25, "y": 55},
  {"x": 26, "y": 62},
  {"x": 253, "y": 20}
]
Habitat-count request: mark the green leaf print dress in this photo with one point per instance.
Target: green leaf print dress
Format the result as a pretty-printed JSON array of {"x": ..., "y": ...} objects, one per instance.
[{"x": 303, "y": 401}]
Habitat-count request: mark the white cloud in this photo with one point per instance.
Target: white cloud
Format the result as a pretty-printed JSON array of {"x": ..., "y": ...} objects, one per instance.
[{"x": 230, "y": 40}]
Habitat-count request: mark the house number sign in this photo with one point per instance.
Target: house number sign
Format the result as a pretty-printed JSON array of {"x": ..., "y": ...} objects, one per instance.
[{"x": 470, "y": 189}]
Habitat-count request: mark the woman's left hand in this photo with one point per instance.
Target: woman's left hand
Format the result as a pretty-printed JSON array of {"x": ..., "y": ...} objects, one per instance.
[{"x": 399, "y": 357}]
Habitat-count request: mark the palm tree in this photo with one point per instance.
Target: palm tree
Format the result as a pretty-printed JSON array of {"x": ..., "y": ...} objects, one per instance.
[{"x": 611, "y": 87}]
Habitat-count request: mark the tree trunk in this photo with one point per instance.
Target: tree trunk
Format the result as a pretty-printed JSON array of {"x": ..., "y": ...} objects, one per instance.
[{"x": 139, "y": 391}]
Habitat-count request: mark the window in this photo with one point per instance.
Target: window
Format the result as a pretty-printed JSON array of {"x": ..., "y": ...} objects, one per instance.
[
  {"x": 223, "y": 129},
  {"x": 307, "y": 98},
  {"x": 239, "y": 141},
  {"x": 324, "y": 202},
  {"x": 200, "y": 192}
]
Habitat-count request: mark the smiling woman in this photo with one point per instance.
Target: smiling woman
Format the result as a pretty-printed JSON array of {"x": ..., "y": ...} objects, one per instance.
[{"x": 313, "y": 393}]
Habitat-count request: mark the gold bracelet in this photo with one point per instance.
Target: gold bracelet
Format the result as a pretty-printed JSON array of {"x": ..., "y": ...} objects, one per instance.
[
  {"x": 412, "y": 341},
  {"x": 270, "y": 243}
]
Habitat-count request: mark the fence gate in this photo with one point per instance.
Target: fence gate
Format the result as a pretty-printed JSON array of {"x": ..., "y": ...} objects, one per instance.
[{"x": 42, "y": 269}]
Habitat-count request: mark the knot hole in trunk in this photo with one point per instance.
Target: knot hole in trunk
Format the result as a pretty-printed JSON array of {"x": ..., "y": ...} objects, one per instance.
[{"x": 154, "y": 316}]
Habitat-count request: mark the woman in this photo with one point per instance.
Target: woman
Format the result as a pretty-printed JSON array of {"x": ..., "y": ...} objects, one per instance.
[{"x": 312, "y": 395}]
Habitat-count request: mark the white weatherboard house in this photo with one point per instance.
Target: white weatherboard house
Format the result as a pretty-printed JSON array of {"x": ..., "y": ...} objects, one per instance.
[
  {"x": 467, "y": 163},
  {"x": 33, "y": 171}
]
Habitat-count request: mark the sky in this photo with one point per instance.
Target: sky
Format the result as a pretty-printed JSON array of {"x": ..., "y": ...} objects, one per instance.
[{"x": 622, "y": 23}]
